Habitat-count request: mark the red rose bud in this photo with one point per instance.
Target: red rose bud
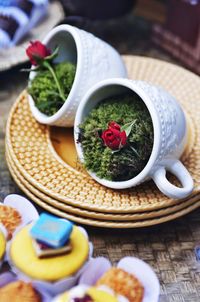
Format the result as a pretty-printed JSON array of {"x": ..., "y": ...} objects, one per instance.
[
  {"x": 37, "y": 50},
  {"x": 113, "y": 138}
]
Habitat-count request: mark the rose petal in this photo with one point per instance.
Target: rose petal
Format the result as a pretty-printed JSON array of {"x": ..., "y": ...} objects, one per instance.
[
  {"x": 114, "y": 125},
  {"x": 145, "y": 275},
  {"x": 123, "y": 138},
  {"x": 115, "y": 132},
  {"x": 115, "y": 144},
  {"x": 113, "y": 138},
  {"x": 27, "y": 211},
  {"x": 109, "y": 137},
  {"x": 37, "y": 49},
  {"x": 95, "y": 269}
]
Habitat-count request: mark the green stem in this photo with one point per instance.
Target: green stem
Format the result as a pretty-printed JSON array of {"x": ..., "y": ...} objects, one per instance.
[{"x": 46, "y": 64}]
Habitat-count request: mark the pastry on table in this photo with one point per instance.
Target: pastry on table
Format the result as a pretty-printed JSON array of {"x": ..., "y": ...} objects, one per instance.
[
  {"x": 16, "y": 211},
  {"x": 132, "y": 279},
  {"x": 115, "y": 285},
  {"x": 123, "y": 283},
  {"x": 10, "y": 218},
  {"x": 19, "y": 291},
  {"x": 17, "y": 18},
  {"x": 24, "y": 258}
]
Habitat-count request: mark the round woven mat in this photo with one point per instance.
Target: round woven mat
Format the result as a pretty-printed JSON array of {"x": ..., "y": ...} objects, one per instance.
[
  {"x": 96, "y": 215},
  {"x": 95, "y": 222},
  {"x": 34, "y": 156}
]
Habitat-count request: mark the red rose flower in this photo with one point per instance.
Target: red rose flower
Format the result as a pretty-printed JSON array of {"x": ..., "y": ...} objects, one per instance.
[
  {"x": 37, "y": 50},
  {"x": 113, "y": 137}
]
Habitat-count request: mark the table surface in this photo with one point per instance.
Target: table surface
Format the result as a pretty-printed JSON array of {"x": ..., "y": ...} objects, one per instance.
[{"x": 168, "y": 248}]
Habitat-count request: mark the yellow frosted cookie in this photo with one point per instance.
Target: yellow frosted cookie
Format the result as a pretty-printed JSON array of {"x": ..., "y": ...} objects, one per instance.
[
  {"x": 2, "y": 245},
  {"x": 97, "y": 295},
  {"x": 54, "y": 268}
]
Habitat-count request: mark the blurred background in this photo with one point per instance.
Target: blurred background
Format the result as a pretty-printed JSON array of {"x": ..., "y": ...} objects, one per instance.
[
  {"x": 164, "y": 29},
  {"x": 167, "y": 29}
]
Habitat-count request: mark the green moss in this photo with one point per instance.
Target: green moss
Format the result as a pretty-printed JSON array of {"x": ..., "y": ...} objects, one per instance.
[
  {"x": 131, "y": 159},
  {"x": 44, "y": 90}
]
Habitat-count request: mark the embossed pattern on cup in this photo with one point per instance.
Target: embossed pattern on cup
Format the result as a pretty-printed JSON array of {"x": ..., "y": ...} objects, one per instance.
[{"x": 95, "y": 60}]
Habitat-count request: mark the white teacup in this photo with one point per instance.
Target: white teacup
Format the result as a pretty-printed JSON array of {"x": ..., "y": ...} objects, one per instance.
[
  {"x": 170, "y": 135},
  {"x": 95, "y": 60}
]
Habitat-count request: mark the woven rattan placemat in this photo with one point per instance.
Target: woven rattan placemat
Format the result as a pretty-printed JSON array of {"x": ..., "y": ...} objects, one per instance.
[
  {"x": 97, "y": 215},
  {"x": 195, "y": 203},
  {"x": 32, "y": 152}
]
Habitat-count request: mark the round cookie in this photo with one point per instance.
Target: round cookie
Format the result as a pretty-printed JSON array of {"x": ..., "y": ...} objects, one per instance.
[
  {"x": 10, "y": 218},
  {"x": 23, "y": 257},
  {"x": 19, "y": 291},
  {"x": 96, "y": 294},
  {"x": 2, "y": 245},
  {"x": 123, "y": 283}
]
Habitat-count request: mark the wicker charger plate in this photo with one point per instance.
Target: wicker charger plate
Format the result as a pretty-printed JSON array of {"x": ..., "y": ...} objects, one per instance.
[
  {"x": 195, "y": 203},
  {"x": 31, "y": 149},
  {"x": 97, "y": 215},
  {"x": 16, "y": 55}
]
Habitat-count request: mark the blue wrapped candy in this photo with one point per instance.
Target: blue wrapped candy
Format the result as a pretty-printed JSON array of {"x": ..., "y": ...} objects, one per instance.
[{"x": 51, "y": 230}]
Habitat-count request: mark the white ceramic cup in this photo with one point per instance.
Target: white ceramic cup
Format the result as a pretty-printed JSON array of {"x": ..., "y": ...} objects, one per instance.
[
  {"x": 170, "y": 135},
  {"x": 95, "y": 60}
]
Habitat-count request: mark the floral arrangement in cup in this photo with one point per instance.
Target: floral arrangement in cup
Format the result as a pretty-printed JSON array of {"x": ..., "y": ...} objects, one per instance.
[
  {"x": 53, "y": 81},
  {"x": 117, "y": 138}
]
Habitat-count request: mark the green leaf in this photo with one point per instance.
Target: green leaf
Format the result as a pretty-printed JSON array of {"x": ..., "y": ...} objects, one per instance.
[
  {"x": 53, "y": 55},
  {"x": 128, "y": 127},
  {"x": 41, "y": 60}
]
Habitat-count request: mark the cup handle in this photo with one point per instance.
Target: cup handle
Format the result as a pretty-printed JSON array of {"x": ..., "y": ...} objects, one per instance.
[{"x": 172, "y": 191}]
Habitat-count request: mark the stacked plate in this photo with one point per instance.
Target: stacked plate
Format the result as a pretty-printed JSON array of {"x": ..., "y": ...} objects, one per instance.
[{"x": 44, "y": 164}]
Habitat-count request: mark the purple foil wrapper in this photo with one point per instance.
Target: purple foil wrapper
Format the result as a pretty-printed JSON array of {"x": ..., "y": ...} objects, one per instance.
[{"x": 95, "y": 270}]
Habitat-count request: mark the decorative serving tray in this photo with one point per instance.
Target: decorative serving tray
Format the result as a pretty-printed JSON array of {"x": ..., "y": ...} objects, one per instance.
[{"x": 46, "y": 159}]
